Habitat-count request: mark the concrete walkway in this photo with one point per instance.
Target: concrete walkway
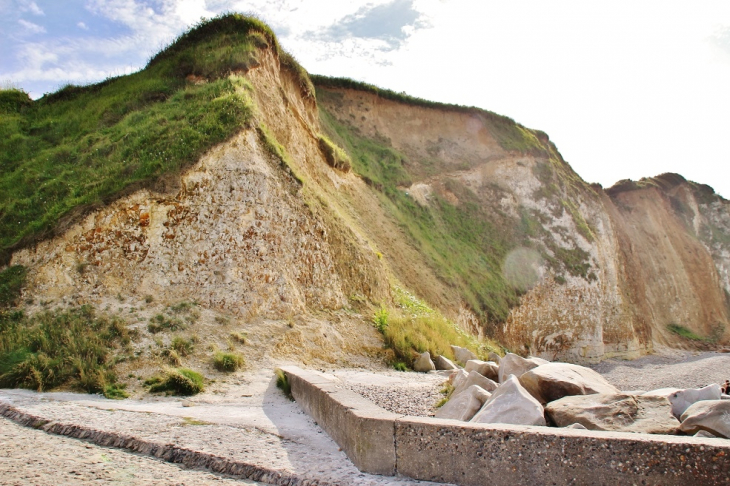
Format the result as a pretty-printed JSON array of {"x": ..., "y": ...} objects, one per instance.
[{"x": 252, "y": 431}]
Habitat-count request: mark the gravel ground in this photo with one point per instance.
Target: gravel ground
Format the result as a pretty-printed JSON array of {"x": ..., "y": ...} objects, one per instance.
[
  {"x": 32, "y": 457},
  {"x": 677, "y": 369},
  {"x": 414, "y": 394}
]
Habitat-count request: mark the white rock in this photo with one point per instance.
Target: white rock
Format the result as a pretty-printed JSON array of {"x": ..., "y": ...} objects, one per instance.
[
  {"x": 512, "y": 364},
  {"x": 576, "y": 426},
  {"x": 457, "y": 377},
  {"x": 553, "y": 381},
  {"x": 681, "y": 400},
  {"x": 465, "y": 405},
  {"x": 474, "y": 378},
  {"x": 490, "y": 369},
  {"x": 462, "y": 355},
  {"x": 710, "y": 415},
  {"x": 444, "y": 363},
  {"x": 511, "y": 404},
  {"x": 494, "y": 357},
  {"x": 424, "y": 363}
]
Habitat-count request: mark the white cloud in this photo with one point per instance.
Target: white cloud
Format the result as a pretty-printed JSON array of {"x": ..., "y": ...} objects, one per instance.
[
  {"x": 32, "y": 7},
  {"x": 82, "y": 25},
  {"x": 31, "y": 28}
]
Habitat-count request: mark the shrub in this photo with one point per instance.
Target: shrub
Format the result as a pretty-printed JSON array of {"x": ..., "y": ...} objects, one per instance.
[
  {"x": 380, "y": 319},
  {"x": 239, "y": 337},
  {"x": 400, "y": 366},
  {"x": 282, "y": 383},
  {"x": 227, "y": 361},
  {"x": 178, "y": 381},
  {"x": 182, "y": 346},
  {"x": 55, "y": 348},
  {"x": 161, "y": 323},
  {"x": 115, "y": 391}
]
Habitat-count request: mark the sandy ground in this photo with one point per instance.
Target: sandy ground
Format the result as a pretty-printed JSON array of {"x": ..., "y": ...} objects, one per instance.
[{"x": 255, "y": 424}]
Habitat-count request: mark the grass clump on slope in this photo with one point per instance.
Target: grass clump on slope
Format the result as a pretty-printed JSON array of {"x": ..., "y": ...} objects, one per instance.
[
  {"x": 82, "y": 146},
  {"x": 413, "y": 328},
  {"x": 177, "y": 381},
  {"x": 61, "y": 348}
]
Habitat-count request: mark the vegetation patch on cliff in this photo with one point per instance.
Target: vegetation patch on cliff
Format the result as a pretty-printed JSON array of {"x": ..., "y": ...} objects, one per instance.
[{"x": 85, "y": 145}]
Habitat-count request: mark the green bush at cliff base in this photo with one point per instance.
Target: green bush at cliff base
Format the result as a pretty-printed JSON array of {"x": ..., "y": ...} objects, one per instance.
[
  {"x": 61, "y": 348},
  {"x": 177, "y": 381}
]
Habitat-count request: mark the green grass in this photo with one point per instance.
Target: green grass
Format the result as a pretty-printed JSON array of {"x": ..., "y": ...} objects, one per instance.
[
  {"x": 334, "y": 155},
  {"x": 682, "y": 331},
  {"x": 282, "y": 383},
  {"x": 414, "y": 328},
  {"x": 228, "y": 362},
  {"x": 73, "y": 348},
  {"x": 177, "y": 381},
  {"x": 465, "y": 244},
  {"x": 11, "y": 283},
  {"x": 86, "y": 145}
]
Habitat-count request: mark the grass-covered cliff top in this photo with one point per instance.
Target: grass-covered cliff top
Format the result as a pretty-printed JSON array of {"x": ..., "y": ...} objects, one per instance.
[
  {"x": 510, "y": 134},
  {"x": 85, "y": 145}
]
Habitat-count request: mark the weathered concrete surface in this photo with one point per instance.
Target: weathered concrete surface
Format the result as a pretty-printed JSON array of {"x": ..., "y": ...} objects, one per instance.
[
  {"x": 470, "y": 454},
  {"x": 511, "y": 455},
  {"x": 363, "y": 430}
]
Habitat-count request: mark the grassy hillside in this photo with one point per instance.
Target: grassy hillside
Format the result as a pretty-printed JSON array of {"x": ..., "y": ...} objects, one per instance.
[{"x": 84, "y": 145}]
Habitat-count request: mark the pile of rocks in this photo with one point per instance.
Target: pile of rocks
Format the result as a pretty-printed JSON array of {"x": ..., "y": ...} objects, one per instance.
[{"x": 534, "y": 391}]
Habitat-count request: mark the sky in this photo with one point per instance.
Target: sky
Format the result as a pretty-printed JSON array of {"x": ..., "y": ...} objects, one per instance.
[{"x": 625, "y": 88}]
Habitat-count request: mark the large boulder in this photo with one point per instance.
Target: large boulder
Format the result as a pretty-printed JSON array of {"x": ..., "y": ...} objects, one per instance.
[
  {"x": 444, "y": 363},
  {"x": 490, "y": 369},
  {"x": 512, "y": 364},
  {"x": 615, "y": 412},
  {"x": 494, "y": 357},
  {"x": 553, "y": 381},
  {"x": 511, "y": 404},
  {"x": 465, "y": 405},
  {"x": 424, "y": 363},
  {"x": 682, "y": 399},
  {"x": 474, "y": 378},
  {"x": 462, "y": 355},
  {"x": 710, "y": 415}
]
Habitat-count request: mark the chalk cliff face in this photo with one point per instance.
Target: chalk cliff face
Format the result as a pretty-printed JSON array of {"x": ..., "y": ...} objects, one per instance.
[{"x": 577, "y": 272}]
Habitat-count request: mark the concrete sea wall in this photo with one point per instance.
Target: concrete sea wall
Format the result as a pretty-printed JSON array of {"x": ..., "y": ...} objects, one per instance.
[{"x": 449, "y": 451}]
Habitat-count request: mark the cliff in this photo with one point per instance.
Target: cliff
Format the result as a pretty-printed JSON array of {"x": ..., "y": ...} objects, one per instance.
[{"x": 474, "y": 214}]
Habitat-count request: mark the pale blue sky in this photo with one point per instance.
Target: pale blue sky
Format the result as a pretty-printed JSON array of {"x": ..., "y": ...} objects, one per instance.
[{"x": 626, "y": 89}]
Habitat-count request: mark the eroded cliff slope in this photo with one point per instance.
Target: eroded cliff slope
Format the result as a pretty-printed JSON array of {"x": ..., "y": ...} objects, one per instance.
[{"x": 472, "y": 213}]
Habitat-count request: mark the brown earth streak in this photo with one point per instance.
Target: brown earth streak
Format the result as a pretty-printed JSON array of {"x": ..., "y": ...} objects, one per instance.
[{"x": 244, "y": 237}]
